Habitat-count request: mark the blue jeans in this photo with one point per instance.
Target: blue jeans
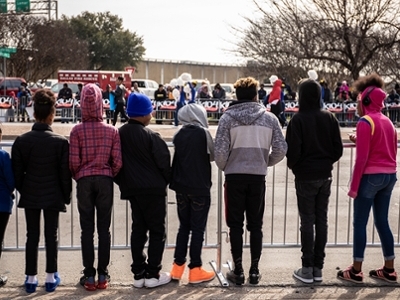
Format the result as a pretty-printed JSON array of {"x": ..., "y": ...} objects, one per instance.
[
  {"x": 312, "y": 201},
  {"x": 95, "y": 194},
  {"x": 374, "y": 191},
  {"x": 193, "y": 214},
  {"x": 178, "y": 107}
]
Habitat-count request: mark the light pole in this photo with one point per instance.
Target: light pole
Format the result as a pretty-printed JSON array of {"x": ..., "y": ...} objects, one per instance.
[{"x": 28, "y": 65}]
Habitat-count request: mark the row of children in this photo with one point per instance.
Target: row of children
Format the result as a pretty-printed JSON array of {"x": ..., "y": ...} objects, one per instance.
[
  {"x": 248, "y": 141},
  {"x": 96, "y": 156}
]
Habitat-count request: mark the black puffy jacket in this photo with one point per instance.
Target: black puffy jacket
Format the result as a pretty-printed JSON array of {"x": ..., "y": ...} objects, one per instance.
[
  {"x": 146, "y": 162},
  {"x": 40, "y": 164}
]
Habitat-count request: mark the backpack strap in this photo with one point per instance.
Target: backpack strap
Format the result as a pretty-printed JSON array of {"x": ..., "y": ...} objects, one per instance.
[{"x": 369, "y": 121}]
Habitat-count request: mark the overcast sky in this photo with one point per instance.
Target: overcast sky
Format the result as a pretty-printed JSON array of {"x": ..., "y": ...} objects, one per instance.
[{"x": 175, "y": 29}]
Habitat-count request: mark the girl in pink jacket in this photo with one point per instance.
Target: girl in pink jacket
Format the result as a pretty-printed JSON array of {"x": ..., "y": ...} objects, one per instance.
[{"x": 373, "y": 179}]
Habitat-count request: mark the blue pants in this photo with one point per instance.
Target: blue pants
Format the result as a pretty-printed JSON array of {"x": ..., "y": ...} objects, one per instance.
[
  {"x": 179, "y": 105},
  {"x": 375, "y": 191},
  {"x": 193, "y": 214},
  {"x": 312, "y": 201}
]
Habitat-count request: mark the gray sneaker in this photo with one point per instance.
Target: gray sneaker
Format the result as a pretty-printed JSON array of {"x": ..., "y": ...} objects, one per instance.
[
  {"x": 304, "y": 274},
  {"x": 317, "y": 274}
]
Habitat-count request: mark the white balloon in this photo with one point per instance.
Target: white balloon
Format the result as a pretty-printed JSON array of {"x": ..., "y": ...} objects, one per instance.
[
  {"x": 312, "y": 74},
  {"x": 180, "y": 81},
  {"x": 173, "y": 82},
  {"x": 186, "y": 77},
  {"x": 273, "y": 78},
  {"x": 186, "y": 89}
]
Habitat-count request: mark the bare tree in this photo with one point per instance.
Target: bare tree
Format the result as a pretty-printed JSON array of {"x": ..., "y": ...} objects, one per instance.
[
  {"x": 338, "y": 36},
  {"x": 43, "y": 46}
]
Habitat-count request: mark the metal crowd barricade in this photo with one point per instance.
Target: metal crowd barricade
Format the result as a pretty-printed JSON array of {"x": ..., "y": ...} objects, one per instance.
[
  {"x": 164, "y": 111},
  {"x": 281, "y": 219},
  {"x": 7, "y": 112}
]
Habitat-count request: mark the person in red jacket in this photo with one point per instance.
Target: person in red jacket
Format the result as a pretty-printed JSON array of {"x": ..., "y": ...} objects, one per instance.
[{"x": 274, "y": 98}]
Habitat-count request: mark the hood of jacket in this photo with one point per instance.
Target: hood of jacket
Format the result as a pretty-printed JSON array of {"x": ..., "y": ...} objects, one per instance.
[
  {"x": 245, "y": 112},
  {"x": 377, "y": 97},
  {"x": 91, "y": 103},
  {"x": 193, "y": 114},
  {"x": 309, "y": 95}
]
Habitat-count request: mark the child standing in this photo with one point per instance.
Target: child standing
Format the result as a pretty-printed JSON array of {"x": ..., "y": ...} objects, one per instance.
[
  {"x": 43, "y": 179},
  {"x": 95, "y": 158},
  {"x": 191, "y": 180},
  {"x": 6, "y": 197},
  {"x": 143, "y": 180},
  {"x": 374, "y": 177},
  {"x": 314, "y": 145},
  {"x": 248, "y": 141}
]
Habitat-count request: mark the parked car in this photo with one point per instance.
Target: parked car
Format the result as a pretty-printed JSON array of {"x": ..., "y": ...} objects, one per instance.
[
  {"x": 10, "y": 84},
  {"x": 147, "y": 86},
  {"x": 230, "y": 93},
  {"x": 48, "y": 83}
]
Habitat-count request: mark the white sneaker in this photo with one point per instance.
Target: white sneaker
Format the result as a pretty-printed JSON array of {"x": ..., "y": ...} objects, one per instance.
[
  {"x": 138, "y": 280},
  {"x": 138, "y": 283},
  {"x": 153, "y": 282}
]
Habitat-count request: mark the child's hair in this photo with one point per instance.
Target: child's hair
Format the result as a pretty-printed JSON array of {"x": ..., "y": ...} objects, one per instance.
[
  {"x": 246, "y": 88},
  {"x": 44, "y": 103},
  {"x": 371, "y": 80}
]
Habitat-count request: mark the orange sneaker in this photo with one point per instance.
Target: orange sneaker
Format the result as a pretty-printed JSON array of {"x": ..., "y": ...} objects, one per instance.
[
  {"x": 177, "y": 271},
  {"x": 198, "y": 275}
]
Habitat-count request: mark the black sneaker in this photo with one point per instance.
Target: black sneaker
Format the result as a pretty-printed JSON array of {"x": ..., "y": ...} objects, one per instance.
[
  {"x": 349, "y": 275},
  {"x": 237, "y": 279},
  {"x": 382, "y": 274},
  {"x": 254, "y": 275}
]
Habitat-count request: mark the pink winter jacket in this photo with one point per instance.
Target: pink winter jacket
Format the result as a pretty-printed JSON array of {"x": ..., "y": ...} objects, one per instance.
[{"x": 376, "y": 144}]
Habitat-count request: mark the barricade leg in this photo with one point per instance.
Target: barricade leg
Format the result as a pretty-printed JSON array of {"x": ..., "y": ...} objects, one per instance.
[{"x": 217, "y": 265}]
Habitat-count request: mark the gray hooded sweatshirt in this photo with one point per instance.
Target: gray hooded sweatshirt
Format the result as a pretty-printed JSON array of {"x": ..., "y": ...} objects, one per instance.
[{"x": 248, "y": 140}]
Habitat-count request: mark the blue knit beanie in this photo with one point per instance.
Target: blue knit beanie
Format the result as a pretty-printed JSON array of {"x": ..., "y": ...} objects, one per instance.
[{"x": 139, "y": 105}]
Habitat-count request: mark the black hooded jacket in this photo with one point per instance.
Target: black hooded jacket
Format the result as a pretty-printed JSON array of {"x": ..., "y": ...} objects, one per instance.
[{"x": 313, "y": 136}]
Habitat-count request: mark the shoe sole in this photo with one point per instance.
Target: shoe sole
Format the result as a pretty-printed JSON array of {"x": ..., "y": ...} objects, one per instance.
[
  {"x": 52, "y": 288},
  {"x": 255, "y": 281},
  {"x": 153, "y": 286},
  {"x": 200, "y": 281},
  {"x": 349, "y": 279},
  {"x": 305, "y": 280},
  {"x": 318, "y": 279},
  {"x": 383, "y": 278},
  {"x": 235, "y": 282}
]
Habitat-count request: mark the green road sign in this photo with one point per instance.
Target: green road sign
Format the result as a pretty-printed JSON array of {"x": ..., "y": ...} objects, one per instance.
[
  {"x": 3, "y": 6},
  {"x": 8, "y": 50},
  {"x": 4, "y": 54},
  {"x": 22, "y": 6}
]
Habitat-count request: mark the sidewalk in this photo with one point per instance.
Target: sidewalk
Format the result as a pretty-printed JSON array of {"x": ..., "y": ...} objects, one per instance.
[{"x": 277, "y": 265}]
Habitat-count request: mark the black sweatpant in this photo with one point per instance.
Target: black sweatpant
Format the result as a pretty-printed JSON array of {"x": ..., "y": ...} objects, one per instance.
[
  {"x": 148, "y": 216},
  {"x": 32, "y": 217},
  {"x": 245, "y": 197}
]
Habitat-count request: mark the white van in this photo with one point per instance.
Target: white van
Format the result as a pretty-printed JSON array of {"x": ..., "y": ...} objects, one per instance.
[{"x": 147, "y": 86}]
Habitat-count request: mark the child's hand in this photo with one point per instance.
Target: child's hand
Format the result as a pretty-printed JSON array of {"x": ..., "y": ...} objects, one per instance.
[{"x": 352, "y": 137}]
